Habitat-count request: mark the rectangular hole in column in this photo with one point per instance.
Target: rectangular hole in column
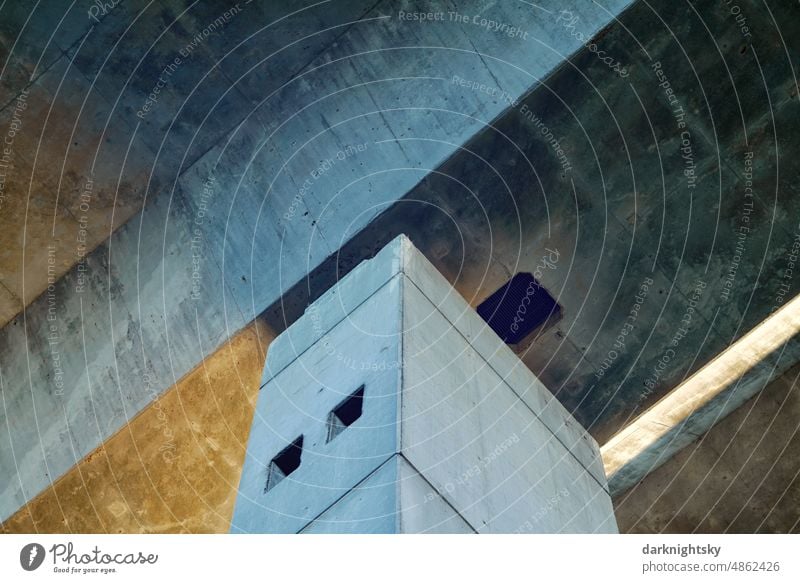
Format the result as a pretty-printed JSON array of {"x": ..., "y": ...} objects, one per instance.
[
  {"x": 519, "y": 308},
  {"x": 345, "y": 414},
  {"x": 283, "y": 464}
]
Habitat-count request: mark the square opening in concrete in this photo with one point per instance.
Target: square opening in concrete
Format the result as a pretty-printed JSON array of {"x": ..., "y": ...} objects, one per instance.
[
  {"x": 518, "y": 308},
  {"x": 345, "y": 413},
  {"x": 283, "y": 464}
]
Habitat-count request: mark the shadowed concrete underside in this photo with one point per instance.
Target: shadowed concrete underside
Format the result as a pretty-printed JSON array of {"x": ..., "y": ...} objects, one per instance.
[{"x": 490, "y": 206}]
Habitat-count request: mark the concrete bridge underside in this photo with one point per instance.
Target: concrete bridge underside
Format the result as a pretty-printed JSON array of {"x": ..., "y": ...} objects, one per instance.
[{"x": 183, "y": 179}]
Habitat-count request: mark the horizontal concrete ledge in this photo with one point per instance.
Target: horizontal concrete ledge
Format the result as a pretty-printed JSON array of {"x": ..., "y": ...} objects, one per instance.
[{"x": 695, "y": 406}]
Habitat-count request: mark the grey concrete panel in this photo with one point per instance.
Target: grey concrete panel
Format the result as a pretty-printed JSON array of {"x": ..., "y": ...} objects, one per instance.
[
  {"x": 394, "y": 499},
  {"x": 504, "y": 362},
  {"x": 369, "y": 508},
  {"x": 422, "y": 508},
  {"x": 472, "y": 437},
  {"x": 332, "y": 307},
  {"x": 298, "y": 402}
]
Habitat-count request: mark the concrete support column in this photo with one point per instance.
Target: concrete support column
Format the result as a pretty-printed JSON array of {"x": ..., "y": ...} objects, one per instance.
[{"x": 390, "y": 406}]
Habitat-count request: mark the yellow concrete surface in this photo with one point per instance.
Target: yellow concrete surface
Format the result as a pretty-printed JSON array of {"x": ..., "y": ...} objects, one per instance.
[{"x": 175, "y": 467}]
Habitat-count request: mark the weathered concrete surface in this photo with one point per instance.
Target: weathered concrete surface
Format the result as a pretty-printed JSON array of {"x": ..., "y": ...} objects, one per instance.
[
  {"x": 71, "y": 180},
  {"x": 691, "y": 409},
  {"x": 495, "y": 217},
  {"x": 624, "y": 224},
  {"x": 488, "y": 442},
  {"x": 31, "y": 41},
  {"x": 395, "y": 498},
  {"x": 70, "y": 89},
  {"x": 743, "y": 476},
  {"x": 82, "y": 161},
  {"x": 175, "y": 467},
  {"x": 485, "y": 447},
  {"x": 73, "y": 171},
  {"x": 233, "y": 224}
]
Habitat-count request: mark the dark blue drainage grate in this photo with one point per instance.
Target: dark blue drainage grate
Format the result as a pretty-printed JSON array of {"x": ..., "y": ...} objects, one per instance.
[{"x": 518, "y": 308}]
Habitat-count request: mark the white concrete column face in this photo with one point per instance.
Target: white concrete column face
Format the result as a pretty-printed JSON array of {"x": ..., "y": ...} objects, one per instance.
[{"x": 390, "y": 406}]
